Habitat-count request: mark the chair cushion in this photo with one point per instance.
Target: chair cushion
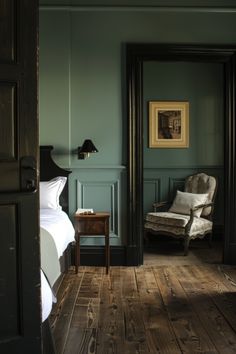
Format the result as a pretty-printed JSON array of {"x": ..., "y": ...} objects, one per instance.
[
  {"x": 166, "y": 218},
  {"x": 199, "y": 226},
  {"x": 183, "y": 202}
]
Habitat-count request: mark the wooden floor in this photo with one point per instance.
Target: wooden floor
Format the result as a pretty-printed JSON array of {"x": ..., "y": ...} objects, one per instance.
[{"x": 171, "y": 304}]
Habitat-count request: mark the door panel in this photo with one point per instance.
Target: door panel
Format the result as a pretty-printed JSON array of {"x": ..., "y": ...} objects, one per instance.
[
  {"x": 8, "y": 122},
  {"x": 8, "y": 272},
  {"x": 20, "y": 325},
  {"x": 8, "y": 22}
]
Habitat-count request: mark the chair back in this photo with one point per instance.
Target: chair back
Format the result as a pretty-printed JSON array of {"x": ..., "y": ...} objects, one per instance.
[{"x": 202, "y": 183}]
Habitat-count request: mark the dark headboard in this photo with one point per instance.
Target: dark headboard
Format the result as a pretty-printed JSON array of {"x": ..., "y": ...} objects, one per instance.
[{"x": 49, "y": 170}]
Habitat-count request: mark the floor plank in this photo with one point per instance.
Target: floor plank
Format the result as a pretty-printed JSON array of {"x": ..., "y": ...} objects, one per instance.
[
  {"x": 82, "y": 341},
  {"x": 111, "y": 332},
  {"x": 188, "y": 329},
  {"x": 160, "y": 336},
  {"x": 64, "y": 310},
  {"x": 211, "y": 317},
  {"x": 170, "y": 305}
]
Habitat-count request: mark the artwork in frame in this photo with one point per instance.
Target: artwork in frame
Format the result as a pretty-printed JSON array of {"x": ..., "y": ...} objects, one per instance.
[{"x": 168, "y": 124}]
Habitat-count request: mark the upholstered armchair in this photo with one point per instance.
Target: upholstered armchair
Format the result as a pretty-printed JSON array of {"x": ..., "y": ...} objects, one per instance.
[{"x": 190, "y": 214}]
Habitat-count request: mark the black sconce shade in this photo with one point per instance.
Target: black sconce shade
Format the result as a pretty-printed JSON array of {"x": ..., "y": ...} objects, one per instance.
[{"x": 87, "y": 148}]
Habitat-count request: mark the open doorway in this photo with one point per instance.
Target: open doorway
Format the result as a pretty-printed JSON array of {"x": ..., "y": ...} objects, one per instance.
[
  {"x": 137, "y": 55},
  {"x": 200, "y": 85}
]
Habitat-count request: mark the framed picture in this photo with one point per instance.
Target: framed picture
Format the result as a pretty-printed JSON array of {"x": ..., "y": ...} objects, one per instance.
[{"x": 168, "y": 124}]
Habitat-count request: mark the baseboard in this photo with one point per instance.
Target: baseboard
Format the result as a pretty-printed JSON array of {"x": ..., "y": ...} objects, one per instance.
[
  {"x": 95, "y": 256},
  {"x": 132, "y": 256},
  {"x": 230, "y": 259},
  {"x": 120, "y": 255}
]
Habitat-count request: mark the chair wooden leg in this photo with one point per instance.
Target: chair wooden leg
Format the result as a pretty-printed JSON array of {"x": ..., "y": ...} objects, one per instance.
[{"x": 186, "y": 245}]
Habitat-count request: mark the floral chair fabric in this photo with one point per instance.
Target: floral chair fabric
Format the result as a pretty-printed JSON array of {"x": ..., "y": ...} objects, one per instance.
[{"x": 190, "y": 215}]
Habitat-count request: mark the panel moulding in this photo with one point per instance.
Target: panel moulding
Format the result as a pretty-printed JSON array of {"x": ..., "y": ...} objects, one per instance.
[
  {"x": 112, "y": 188},
  {"x": 156, "y": 183}
]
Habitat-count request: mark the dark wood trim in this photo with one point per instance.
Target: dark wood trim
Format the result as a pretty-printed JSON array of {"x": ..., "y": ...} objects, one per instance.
[
  {"x": 135, "y": 155},
  {"x": 136, "y": 55},
  {"x": 218, "y": 232},
  {"x": 95, "y": 256},
  {"x": 132, "y": 255}
]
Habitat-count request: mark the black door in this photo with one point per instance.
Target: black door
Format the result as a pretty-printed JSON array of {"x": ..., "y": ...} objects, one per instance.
[{"x": 19, "y": 225}]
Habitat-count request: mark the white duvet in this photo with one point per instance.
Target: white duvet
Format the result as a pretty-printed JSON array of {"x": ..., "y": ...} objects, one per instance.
[
  {"x": 56, "y": 233},
  {"x": 46, "y": 296},
  {"x": 58, "y": 224}
]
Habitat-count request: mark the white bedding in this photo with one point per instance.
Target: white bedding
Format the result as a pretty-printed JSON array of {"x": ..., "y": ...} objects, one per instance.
[
  {"x": 56, "y": 232},
  {"x": 58, "y": 224},
  {"x": 46, "y": 296}
]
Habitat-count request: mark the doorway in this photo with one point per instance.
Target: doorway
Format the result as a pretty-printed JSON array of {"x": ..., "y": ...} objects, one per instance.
[{"x": 137, "y": 55}]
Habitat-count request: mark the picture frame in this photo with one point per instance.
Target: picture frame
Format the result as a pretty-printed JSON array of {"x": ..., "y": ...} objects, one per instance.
[{"x": 168, "y": 124}]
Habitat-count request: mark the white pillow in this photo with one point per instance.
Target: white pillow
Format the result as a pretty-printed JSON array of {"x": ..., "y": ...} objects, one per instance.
[
  {"x": 50, "y": 192},
  {"x": 185, "y": 201}
]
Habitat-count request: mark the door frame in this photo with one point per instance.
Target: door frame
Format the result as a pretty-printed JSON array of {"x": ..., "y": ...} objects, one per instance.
[{"x": 136, "y": 55}]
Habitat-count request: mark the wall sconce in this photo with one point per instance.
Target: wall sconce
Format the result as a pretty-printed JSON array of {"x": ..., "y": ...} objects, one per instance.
[{"x": 86, "y": 149}]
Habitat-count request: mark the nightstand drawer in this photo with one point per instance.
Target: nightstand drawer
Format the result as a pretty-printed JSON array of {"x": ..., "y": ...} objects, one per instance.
[{"x": 90, "y": 227}]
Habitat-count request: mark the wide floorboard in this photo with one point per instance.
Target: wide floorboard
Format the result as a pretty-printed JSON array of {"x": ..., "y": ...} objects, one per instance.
[{"x": 172, "y": 307}]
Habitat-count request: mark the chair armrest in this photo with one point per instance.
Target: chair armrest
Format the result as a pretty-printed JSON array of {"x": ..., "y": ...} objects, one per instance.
[
  {"x": 192, "y": 210},
  {"x": 202, "y": 206},
  {"x": 159, "y": 205}
]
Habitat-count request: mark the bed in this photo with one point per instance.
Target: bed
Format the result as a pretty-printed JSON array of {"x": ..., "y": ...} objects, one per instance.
[
  {"x": 47, "y": 299},
  {"x": 56, "y": 230},
  {"x": 56, "y": 237}
]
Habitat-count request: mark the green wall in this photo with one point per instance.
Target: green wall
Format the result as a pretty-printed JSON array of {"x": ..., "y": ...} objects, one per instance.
[
  {"x": 202, "y": 85},
  {"x": 82, "y": 91}
]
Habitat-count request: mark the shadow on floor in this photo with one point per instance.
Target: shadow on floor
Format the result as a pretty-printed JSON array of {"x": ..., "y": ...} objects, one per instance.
[{"x": 169, "y": 251}]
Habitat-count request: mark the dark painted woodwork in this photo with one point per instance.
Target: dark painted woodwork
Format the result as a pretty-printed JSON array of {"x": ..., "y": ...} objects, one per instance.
[
  {"x": 95, "y": 255},
  {"x": 9, "y": 292},
  {"x": 48, "y": 341},
  {"x": 49, "y": 169},
  {"x": 8, "y": 121},
  {"x": 8, "y": 30},
  {"x": 20, "y": 329},
  {"x": 137, "y": 54}
]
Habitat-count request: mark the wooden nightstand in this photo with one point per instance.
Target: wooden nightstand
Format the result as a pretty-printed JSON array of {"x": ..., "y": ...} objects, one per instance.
[{"x": 92, "y": 224}]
